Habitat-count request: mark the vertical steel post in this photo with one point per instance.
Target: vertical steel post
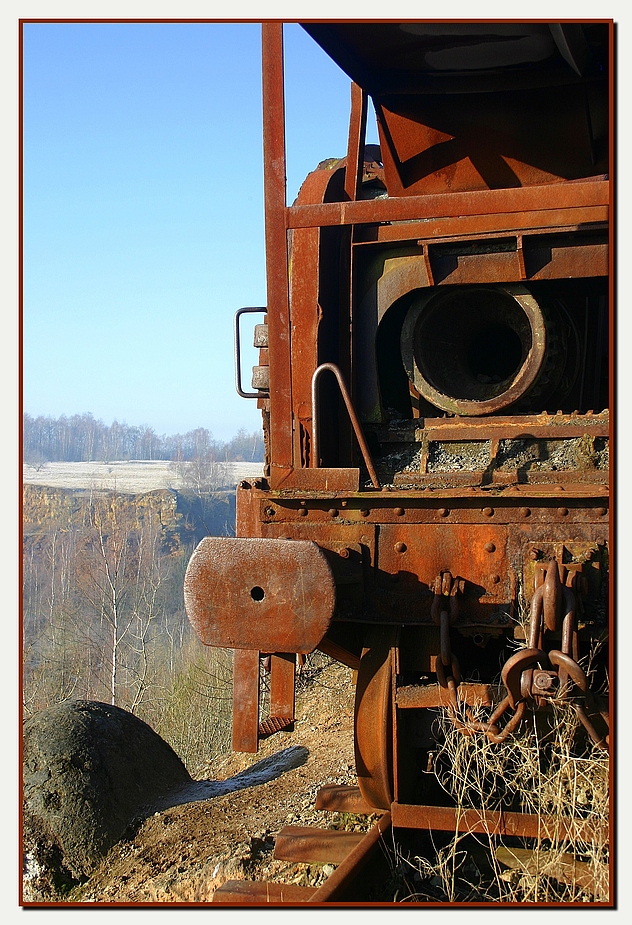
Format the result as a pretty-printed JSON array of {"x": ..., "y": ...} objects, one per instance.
[
  {"x": 282, "y": 671},
  {"x": 355, "y": 144},
  {"x": 245, "y": 700},
  {"x": 276, "y": 252}
]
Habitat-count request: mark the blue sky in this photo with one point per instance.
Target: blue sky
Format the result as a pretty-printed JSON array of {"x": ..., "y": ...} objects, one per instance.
[{"x": 143, "y": 211}]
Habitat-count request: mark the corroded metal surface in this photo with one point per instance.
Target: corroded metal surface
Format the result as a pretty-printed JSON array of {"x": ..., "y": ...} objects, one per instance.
[
  {"x": 491, "y": 822},
  {"x": 455, "y": 281},
  {"x": 270, "y": 595},
  {"x": 311, "y": 845},
  {"x": 374, "y": 718}
]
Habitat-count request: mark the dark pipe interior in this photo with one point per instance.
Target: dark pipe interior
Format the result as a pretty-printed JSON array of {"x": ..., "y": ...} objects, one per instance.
[{"x": 471, "y": 344}]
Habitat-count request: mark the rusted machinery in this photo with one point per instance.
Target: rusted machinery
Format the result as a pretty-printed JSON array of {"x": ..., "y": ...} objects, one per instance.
[{"x": 434, "y": 385}]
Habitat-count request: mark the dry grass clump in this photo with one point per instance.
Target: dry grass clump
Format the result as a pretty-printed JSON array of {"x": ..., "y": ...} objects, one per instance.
[{"x": 548, "y": 769}]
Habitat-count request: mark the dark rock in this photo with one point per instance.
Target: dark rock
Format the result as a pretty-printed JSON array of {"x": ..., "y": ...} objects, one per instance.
[{"x": 90, "y": 770}]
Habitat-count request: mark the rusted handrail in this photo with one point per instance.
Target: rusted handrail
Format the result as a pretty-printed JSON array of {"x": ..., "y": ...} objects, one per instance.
[{"x": 352, "y": 417}]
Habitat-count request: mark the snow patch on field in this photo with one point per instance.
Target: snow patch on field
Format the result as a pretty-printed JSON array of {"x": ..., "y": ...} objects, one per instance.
[{"x": 130, "y": 476}]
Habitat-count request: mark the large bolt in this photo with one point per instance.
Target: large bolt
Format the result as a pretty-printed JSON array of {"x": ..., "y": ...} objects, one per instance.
[{"x": 544, "y": 681}]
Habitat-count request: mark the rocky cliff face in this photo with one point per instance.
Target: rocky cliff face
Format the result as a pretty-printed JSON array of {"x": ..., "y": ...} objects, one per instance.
[{"x": 183, "y": 516}]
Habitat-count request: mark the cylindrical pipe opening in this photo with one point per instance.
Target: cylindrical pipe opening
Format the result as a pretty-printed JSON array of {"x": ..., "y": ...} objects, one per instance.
[{"x": 474, "y": 350}]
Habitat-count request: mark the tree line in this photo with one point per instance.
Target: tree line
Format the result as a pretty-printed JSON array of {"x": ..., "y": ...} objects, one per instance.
[
  {"x": 82, "y": 438},
  {"x": 104, "y": 620}
]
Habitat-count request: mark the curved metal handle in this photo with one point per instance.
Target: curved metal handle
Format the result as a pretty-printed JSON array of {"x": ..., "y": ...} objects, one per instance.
[
  {"x": 240, "y": 391},
  {"x": 352, "y": 416}
]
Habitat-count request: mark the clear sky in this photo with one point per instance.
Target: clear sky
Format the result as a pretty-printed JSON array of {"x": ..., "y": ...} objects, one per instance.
[{"x": 143, "y": 211}]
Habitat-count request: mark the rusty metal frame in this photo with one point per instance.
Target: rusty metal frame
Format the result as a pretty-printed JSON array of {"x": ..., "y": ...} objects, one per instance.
[{"x": 582, "y": 203}]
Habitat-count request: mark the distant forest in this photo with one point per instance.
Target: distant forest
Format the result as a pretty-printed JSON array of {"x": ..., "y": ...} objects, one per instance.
[{"x": 82, "y": 438}]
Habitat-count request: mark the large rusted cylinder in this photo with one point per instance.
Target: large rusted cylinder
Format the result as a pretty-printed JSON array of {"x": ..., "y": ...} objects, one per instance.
[{"x": 474, "y": 350}]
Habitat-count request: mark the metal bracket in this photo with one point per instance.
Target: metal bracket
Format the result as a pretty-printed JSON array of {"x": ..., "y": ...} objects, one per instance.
[{"x": 240, "y": 391}]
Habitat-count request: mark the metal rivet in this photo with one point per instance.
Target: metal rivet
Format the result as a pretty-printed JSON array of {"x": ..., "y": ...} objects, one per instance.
[
  {"x": 602, "y": 511},
  {"x": 399, "y": 511},
  {"x": 333, "y": 512},
  {"x": 343, "y": 503},
  {"x": 562, "y": 511},
  {"x": 269, "y": 512},
  {"x": 525, "y": 511},
  {"x": 365, "y": 512},
  {"x": 489, "y": 547},
  {"x": 244, "y": 484},
  {"x": 302, "y": 512},
  {"x": 443, "y": 512},
  {"x": 488, "y": 511},
  {"x": 400, "y": 547},
  {"x": 496, "y": 579}
]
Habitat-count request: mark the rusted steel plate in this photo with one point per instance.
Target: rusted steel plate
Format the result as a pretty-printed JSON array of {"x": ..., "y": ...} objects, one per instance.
[
  {"x": 338, "y": 885},
  {"x": 245, "y": 700},
  {"x": 340, "y": 798},
  {"x": 311, "y": 845},
  {"x": 527, "y": 825},
  {"x": 265, "y": 594},
  {"x": 570, "y": 196},
  {"x": 282, "y": 670},
  {"x": 324, "y": 479},
  {"x": 483, "y": 508},
  {"x": 458, "y": 227},
  {"x": 433, "y": 695},
  {"x": 477, "y": 553},
  {"x": 505, "y": 427},
  {"x": 253, "y": 891}
]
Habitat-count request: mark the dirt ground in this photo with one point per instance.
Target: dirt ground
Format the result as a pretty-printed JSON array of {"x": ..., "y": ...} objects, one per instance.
[{"x": 183, "y": 853}]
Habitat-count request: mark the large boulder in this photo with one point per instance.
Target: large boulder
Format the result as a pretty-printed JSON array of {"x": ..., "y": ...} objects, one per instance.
[{"x": 90, "y": 769}]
